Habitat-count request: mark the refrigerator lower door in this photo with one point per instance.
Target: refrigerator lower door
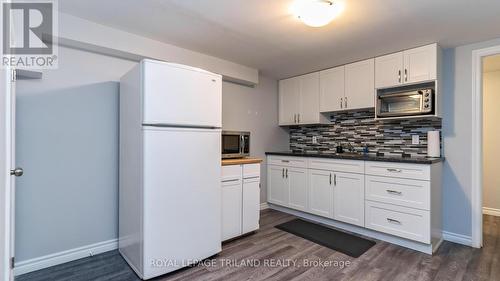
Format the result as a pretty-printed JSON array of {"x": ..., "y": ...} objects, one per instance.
[
  {"x": 182, "y": 197},
  {"x": 181, "y": 96}
]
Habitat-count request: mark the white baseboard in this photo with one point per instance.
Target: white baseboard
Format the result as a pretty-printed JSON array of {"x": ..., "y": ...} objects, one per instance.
[
  {"x": 64, "y": 257},
  {"x": 264, "y": 206},
  {"x": 491, "y": 211},
  {"x": 457, "y": 238}
]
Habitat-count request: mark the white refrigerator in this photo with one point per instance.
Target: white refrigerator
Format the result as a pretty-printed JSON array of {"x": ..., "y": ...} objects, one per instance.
[{"x": 170, "y": 167}]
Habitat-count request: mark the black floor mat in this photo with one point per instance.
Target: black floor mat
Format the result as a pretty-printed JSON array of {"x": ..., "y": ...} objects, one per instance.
[{"x": 346, "y": 243}]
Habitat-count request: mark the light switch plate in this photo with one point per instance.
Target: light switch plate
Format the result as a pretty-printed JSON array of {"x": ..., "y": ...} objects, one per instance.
[
  {"x": 415, "y": 139},
  {"x": 314, "y": 140}
]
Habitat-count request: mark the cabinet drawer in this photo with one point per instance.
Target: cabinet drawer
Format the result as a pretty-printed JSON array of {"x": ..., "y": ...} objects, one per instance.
[
  {"x": 251, "y": 171},
  {"x": 337, "y": 165},
  {"x": 399, "y": 221},
  {"x": 398, "y": 170},
  {"x": 298, "y": 162},
  {"x": 231, "y": 172},
  {"x": 402, "y": 192}
]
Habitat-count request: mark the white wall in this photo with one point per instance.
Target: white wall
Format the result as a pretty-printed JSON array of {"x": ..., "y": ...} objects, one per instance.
[
  {"x": 491, "y": 139},
  {"x": 457, "y": 137},
  {"x": 255, "y": 110}
]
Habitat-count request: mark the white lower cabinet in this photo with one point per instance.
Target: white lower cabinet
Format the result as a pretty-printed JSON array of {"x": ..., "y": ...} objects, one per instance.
[
  {"x": 240, "y": 200},
  {"x": 296, "y": 179},
  {"x": 399, "y": 199},
  {"x": 277, "y": 192},
  {"x": 321, "y": 193},
  {"x": 349, "y": 198},
  {"x": 251, "y": 205},
  {"x": 231, "y": 209}
]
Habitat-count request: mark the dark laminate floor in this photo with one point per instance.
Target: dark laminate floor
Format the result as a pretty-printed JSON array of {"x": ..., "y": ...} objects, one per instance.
[{"x": 384, "y": 261}]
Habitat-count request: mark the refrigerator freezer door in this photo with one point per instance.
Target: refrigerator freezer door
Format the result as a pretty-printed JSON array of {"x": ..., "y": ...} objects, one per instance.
[
  {"x": 182, "y": 197},
  {"x": 181, "y": 96}
]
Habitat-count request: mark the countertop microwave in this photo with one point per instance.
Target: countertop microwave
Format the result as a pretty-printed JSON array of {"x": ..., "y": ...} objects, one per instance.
[{"x": 235, "y": 144}]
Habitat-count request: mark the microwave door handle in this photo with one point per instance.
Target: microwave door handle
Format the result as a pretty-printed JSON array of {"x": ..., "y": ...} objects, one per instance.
[{"x": 242, "y": 144}]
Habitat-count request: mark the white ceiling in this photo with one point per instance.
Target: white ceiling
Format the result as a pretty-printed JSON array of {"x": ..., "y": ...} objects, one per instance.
[
  {"x": 263, "y": 34},
  {"x": 491, "y": 63}
]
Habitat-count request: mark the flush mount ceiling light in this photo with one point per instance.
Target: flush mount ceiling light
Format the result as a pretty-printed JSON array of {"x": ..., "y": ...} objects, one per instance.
[{"x": 316, "y": 13}]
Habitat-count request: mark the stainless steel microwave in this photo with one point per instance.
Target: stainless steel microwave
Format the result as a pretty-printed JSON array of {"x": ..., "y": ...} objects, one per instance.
[
  {"x": 411, "y": 103},
  {"x": 235, "y": 144}
]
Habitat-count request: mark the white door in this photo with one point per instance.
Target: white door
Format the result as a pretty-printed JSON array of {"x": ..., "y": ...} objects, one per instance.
[
  {"x": 181, "y": 95},
  {"x": 297, "y": 182},
  {"x": 276, "y": 184},
  {"x": 389, "y": 70},
  {"x": 349, "y": 198},
  {"x": 309, "y": 99},
  {"x": 7, "y": 162},
  {"x": 332, "y": 89},
  {"x": 288, "y": 101},
  {"x": 182, "y": 195},
  {"x": 360, "y": 84},
  {"x": 251, "y": 205},
  {"x": 231, "y": 208},
  {"x": 321, "y": 193},
  {"x": 420, "y": 64}
]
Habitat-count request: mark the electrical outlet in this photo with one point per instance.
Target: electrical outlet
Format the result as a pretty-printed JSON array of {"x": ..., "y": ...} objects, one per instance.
[
  {"x": 415, "y": 139},
  {"x": 314, "y": 140}
]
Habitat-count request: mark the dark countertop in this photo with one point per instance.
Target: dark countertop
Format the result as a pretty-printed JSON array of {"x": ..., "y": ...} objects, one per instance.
[{"x": 359, "y": 156}]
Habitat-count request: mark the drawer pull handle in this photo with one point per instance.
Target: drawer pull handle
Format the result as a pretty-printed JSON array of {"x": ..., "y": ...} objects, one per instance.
[
  {"x": 394, "y": 170},
  {"x": 233, "y": 180},
  {"x": 393, "y": 221},
  {"x": 285, "y": 161},
  {"x": 394, "y": 192}
]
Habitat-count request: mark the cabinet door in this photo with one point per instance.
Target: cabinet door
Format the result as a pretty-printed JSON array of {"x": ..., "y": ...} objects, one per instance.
[
  {"x": 360, "y": 84},
  {"x": 332, "y": 88},
  {"x": 420, "y": 64},
  {"x": 349, "y": 198},
  {"x": 289, "y": 99},
  {"x": 251, "y": 205},
  {"x": 297, "y": 182},
  {"x": 309, "y": 99},
  {"x": 389, "y": 70},
  {"x": 231, "y": 209},
  {"x": 277, "y": 190},
  {"x": 321, "y": 193}
]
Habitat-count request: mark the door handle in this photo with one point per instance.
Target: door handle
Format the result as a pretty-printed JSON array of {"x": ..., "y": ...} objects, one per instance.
[
  {"x": 394, "y": 192},
  {"x": 286, "y": 173},
  {"x": 330, "y": 179},
  {"x": 399, "y": 76},
  {"x": 345, "y": 102},
  {"x": 335, "y": 180},
  {"x": 298, "y": 118},
  {"x": 17, "y": 172},
  {"x": 406, "y": 75},
  {"x": 394, "y": 170},
  {"x": 295, "y": 118},
  {"x": 393, "y": 221},
  {"x": 283, "y": 173},
  {"x": 341, "y": 101}
]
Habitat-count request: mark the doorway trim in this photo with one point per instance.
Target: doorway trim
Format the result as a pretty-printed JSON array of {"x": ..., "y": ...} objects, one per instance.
[{"x": 477, "y": 143}]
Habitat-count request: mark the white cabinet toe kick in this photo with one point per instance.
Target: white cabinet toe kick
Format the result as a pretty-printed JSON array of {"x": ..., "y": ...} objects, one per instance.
[{"x": 395, "y": 202}]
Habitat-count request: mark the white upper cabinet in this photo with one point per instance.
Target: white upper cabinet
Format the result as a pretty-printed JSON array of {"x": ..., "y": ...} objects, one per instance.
[
  {"x": 332, "y": 89},
  {"x": 420, "y": 64},
  {"x": 389, "y": 70},
  {"x": 309, "y": 99},
  {"x": 407, "y": 67},
  {"x": 360, "y": 85},
  {"x": 299, "y": 100},
  {"x": 289, "y": 100}
]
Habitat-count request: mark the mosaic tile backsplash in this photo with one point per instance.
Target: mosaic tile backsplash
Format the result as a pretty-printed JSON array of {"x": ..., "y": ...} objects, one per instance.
[{"x": 390, "y": 138}]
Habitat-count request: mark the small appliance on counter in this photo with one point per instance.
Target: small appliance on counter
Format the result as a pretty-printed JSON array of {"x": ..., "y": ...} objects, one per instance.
[{"x": 235, "y": 144}]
